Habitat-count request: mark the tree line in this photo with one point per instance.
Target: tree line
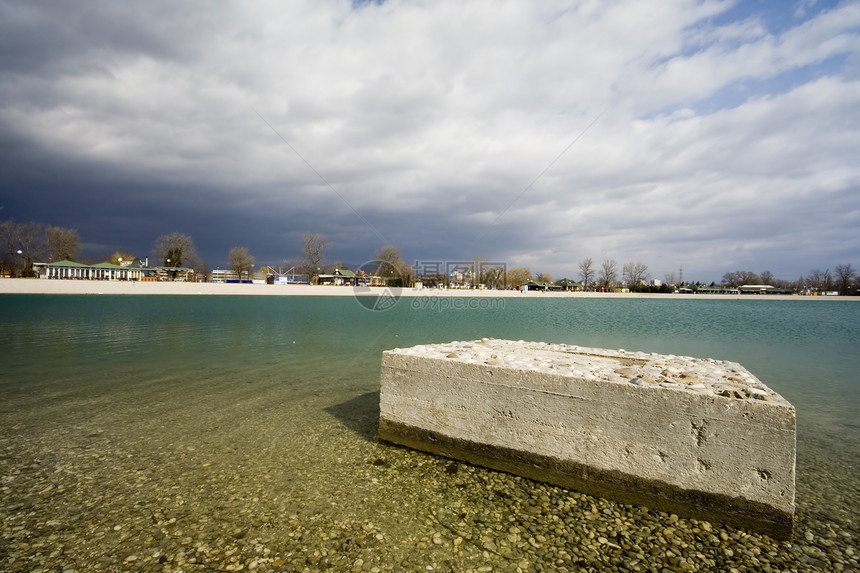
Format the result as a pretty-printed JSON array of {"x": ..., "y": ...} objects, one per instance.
[
  {"x": 606, "y": 276},
  {"x": 634, "y": 275},
  {"x": 26, "y": 243},
  {"x": 844, "y": 280},
  {"x": 23, "y": 244}
]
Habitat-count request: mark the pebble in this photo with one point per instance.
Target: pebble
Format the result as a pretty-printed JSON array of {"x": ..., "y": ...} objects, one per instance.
[{"x": 291, "y": 488}]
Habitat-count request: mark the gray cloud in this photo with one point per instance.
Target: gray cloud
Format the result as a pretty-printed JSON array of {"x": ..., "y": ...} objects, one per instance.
[{"x": 728, "y": 138}]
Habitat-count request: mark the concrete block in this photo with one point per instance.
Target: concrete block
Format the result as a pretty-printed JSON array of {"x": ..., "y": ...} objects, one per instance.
[{"x": 697, "y": 437}]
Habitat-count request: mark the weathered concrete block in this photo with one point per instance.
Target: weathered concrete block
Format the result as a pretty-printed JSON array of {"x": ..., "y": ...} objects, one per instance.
[{"x": 700, "y": 438}]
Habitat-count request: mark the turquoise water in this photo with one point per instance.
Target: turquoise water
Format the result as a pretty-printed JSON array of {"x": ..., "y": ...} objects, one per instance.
[
  {"x": 806, "y": 350},
  {"x": 282, "y": 389}
]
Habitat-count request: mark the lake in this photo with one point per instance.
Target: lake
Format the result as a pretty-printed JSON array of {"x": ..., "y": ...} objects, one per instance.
[{"x": 168, "y": 433}]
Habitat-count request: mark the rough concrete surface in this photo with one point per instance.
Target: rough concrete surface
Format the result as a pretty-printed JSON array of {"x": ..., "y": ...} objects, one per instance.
[{"x": 698, "y": 437}]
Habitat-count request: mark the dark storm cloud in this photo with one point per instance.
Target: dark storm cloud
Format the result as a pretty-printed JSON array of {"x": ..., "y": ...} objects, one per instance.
[{"x": 723, "y": 134}]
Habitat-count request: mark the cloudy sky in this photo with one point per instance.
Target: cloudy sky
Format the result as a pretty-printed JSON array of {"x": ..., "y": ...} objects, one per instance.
[{"x": 706, "y": 135}]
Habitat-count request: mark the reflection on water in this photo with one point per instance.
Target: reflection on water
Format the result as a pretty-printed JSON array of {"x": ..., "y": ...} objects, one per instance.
[{"x": 162, "y": 433}]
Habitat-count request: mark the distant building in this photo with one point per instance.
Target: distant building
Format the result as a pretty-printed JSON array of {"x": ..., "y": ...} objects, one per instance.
[
  {"x": 568, "y": 284},
  {"x": 539, "y": 286},
  {"x": 340, "y": 277},
  {"x": 346, "y": 277},
  {"x": 760, "y": 289},
  {"x": 71, "y": 270},
  {"x": 292, "y": 279}
]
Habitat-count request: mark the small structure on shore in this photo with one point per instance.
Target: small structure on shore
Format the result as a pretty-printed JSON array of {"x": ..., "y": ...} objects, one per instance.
[{"x": 701, "y": 438}]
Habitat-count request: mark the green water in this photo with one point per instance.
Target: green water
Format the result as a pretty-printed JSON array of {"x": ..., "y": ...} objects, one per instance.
[
  {"x": 806, "y": 350},
  {"x": 279, "y": 394}
]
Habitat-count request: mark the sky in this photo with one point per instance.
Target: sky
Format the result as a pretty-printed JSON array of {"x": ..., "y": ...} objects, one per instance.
[{"x": 695, "y": 136}]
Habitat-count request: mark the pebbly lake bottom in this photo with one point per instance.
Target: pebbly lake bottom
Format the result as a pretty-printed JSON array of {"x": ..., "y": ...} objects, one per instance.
[{"x": 132, "y": 448}]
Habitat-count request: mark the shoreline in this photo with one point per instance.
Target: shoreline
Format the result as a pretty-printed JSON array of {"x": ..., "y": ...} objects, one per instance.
[{"x": 92, "y": 287}]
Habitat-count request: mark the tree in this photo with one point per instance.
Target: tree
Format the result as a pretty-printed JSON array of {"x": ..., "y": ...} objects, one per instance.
[
  {"x": 635, "y": 274},
  {"x": 295, "y": 265},
  {"x": 767, "y": 278},
  {"x": 11, "y": 261},
  {"x": 201, "y": 271},
  {"x": 586, "y": 272},
  {"x": 544, "y": 278},
  {"x": 241, "y": 261},
  {"x": 493, "y": 276},
  {"x": 312, "y": 248},
  {"x": 844, "y": 276},
  {"x": 22, "y": 245},
  {"x": 62, "y": 244},
  {"x": 391, "y": 266},
  {"x": 120, "y": 257},
  {"x": 821, "y": 281},
  {"x": 517, "y": 276},
  {"x": 738, "y": 278},
  {"x": 175, "y": 250},
  {"x": 484, "y": 272},
  {"x": 608, "y": 274},
  {"x": 31, "y": 241}
]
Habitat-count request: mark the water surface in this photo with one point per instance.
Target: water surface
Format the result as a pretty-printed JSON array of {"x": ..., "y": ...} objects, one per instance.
[{"x": 250, "y": 421}]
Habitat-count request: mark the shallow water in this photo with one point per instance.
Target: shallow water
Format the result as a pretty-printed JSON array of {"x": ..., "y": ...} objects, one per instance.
[{"x": 235, "y": 433}]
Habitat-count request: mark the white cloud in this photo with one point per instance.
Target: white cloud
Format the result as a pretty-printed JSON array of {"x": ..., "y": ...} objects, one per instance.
[{"x": 437, "y": 116}]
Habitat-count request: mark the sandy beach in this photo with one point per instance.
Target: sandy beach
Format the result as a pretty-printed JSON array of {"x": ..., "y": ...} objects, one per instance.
[{"x": 45, "y": 286}]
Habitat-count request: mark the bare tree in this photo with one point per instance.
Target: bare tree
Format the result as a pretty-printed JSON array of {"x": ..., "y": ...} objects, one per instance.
[
  {"x": 62, "y": 244},
  {"x": 821, "y": 281},
  {"x": 544, "y": 278},
  {"x": 22, "y": 245},
  {"x": 391, "y": 266},
  {"x": 296, "y": 265},
  {"x": 175, "y": 250},
  {"x": 738, "y": 278},
  {"x": 241, "y": 261},
  {"x": 608, "y": 274},
  {"x": 767, "y": 278},
  {"x": 814, "y": 280},
  {"x": 586, "y": 272},
  {"x": 635, "y": 274},
  {"x": 487, "y": 273},
  {"x": 844, "y": 276},
  {"x": 312, "y": 248},
  {"x": 494, "y": 276},
  {"x": 31, "y": 238},
  {"x": 202, "y": 273},
  {"x": 10, "y": 260}
]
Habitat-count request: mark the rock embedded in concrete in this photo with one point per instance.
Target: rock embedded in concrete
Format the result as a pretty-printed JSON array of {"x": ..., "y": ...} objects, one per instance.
[{"x": 698, "y": 437}]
